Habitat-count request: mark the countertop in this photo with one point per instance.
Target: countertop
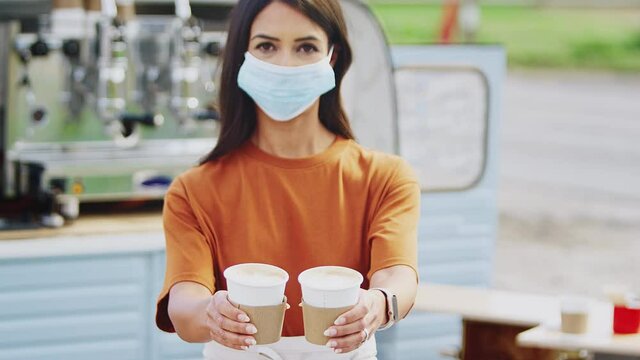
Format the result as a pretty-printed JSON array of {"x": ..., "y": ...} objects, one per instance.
[
  {"x": 488, "y": 305},
  {"x": 123, "y": 233}
]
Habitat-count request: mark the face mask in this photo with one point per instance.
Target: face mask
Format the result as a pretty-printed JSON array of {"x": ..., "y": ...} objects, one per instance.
[{"x": 284, "y": 92}]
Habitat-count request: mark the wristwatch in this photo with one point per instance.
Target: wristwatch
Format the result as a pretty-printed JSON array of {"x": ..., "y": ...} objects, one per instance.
[{"x": 392, "y": 307}]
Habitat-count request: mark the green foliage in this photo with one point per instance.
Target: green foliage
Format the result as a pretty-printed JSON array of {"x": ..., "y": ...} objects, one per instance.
[{"x": 534, "y": 37}]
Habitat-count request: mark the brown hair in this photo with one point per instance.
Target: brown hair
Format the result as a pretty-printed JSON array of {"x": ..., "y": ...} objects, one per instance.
[{"x": 238, "y": 110}]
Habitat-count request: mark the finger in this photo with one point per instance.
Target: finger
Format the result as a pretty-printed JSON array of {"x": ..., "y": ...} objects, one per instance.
[
  {"x": 223, "y": 322},
  {"x": 231, "y": 340},
  {"x": 227, "y": 338},
  {"x": 227, "y": 309},
  {"x": 347, "y": 343},
  {"x": 348, "y": 329},
  {"x": 347, "y": 350},
  {"x": 353, "y": 315}
]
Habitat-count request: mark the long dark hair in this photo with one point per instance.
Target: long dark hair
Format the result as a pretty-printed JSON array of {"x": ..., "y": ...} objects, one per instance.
[{"x": 238, "y": 110}]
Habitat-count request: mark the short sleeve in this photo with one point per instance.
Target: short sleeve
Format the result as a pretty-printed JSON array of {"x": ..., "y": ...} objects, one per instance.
[
  {"x": 393, "y": 229},
  {"x": 188, "y": 253}
]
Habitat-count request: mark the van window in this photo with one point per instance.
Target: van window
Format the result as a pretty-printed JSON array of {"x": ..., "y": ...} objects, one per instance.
[{"x": 443, "y": 120}]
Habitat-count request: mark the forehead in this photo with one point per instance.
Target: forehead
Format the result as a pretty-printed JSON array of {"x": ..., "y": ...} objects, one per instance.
[{"x": 282, "y": 21}]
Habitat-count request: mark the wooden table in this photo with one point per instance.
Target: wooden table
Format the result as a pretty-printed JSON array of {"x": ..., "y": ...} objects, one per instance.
[{"x": 492, "y": 319}]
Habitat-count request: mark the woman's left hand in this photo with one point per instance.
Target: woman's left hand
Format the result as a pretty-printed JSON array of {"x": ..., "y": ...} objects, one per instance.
[{"x": 349, "y": 333}]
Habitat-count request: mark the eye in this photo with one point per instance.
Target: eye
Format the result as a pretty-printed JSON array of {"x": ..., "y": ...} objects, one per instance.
[
  {"x": 265, "y": 47},
  {"x": 308, "y": 48}
]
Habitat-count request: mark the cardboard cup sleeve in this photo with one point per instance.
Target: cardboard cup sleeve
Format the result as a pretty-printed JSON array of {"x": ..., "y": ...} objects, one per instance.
[
  {"x": 67, "y": 4},
  {"x": 92, "y": 5},
  {"x": 317, "y": 320},
  {"x": 268, "y": 320}
]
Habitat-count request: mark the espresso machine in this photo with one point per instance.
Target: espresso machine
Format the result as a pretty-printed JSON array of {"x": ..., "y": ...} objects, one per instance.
[{"x": 102, "y": 101}]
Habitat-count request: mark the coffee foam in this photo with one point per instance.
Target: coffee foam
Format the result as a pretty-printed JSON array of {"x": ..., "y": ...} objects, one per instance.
[
  {"x": 256, "y": 275},
  {"x": 330, "y": 278}
]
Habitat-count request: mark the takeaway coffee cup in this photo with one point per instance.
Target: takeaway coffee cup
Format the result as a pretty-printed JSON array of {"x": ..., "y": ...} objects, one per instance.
[
  {"x": 327, "y": 292},
  {"x": 574, "y": 313},
  {"x": 258, "y": 290}
]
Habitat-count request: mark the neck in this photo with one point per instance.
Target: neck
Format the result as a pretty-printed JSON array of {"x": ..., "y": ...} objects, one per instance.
[{"x": 304, "y": 136}]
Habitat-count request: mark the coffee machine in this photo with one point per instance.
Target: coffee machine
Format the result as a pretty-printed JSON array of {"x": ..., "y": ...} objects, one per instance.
[{"x": 103, "y": 101}]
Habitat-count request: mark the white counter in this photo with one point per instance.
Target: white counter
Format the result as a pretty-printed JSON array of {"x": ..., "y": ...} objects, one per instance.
[
  {"x": 87, "y": 236},
  {"x": 488, "y": 305},
  {"x": 599, "y": 338}
]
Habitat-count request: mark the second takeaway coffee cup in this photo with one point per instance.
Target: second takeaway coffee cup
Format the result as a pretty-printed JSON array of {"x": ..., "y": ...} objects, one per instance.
[
  {"x": 327, "y": 293},
  {"x": 574, "y": 313},
  {"x": 258, "y": 290}
]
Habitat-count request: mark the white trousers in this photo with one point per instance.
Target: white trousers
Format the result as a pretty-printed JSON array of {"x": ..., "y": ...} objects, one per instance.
[{"x": 289, "y": 348}]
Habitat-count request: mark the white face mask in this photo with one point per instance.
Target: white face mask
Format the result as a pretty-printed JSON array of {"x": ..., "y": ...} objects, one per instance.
[{"x": 284, "y": 92}]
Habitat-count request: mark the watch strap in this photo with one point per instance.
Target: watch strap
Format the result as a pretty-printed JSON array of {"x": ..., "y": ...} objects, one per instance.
[{"x": 392, "y": 307}]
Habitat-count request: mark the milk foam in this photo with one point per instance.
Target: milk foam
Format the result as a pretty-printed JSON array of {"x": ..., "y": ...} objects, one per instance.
[
  {"x": 330, "y": 278},
  {"x": 256, "y": 275}
]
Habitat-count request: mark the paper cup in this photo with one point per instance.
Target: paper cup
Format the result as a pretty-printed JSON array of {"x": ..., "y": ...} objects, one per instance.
[
  {"x": 330, "y": 286},
  {"x": 254, "y": 284},
  {"x": 626, "y": 320},
  {"x": 327, "y": 292},
  {"x": 574, "y": 313}
]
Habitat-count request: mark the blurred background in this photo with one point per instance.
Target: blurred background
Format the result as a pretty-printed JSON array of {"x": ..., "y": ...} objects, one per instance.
[{"x": 569, "y": 194}]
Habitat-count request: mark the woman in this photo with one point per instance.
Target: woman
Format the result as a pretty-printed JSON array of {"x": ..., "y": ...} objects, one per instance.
[{"x": 287, "y": 185}]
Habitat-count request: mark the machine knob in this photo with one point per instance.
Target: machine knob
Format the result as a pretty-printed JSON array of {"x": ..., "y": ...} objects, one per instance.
[
  {"x": 212, "y": 48},
  {"x": 39, "y": 115},
  {"x": 39, "y": 48},
  {"x": 130, "y": 121},
  {"x": 208, "y": 115},
  {"x": 148, "y": 119},
  {"x": 71, "y": 48}
]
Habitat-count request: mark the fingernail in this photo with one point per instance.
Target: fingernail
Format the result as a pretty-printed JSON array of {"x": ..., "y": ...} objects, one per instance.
[
  {"x": 243, "y": 318},
  {"x": 243, "y": 347},
  {"x": 250, "y": 341},
  {"x": 337, "y": 351},
  {"x": 339, "y": 321},
  {"x": 330, "y": 332},
  {"x": 332, "y": 344},
  {"x": 251, "y": 329}
]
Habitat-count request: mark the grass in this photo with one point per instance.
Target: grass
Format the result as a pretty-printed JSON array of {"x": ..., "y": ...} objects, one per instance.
[{"x": 534, "y": 37}]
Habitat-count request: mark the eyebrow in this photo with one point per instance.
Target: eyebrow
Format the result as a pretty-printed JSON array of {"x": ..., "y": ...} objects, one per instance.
[{"x": 306, "y": 38}]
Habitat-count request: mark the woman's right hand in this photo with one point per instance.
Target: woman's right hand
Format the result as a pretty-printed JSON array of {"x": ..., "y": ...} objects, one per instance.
[{"x": 227, "y": 324}]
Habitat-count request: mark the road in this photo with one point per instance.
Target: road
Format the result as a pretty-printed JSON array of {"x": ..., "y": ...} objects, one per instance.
[{"x": 569, "y": 195}]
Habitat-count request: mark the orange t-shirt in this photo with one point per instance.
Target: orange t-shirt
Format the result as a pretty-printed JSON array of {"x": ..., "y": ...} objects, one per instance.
[{"x": 347, "y": 206}]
